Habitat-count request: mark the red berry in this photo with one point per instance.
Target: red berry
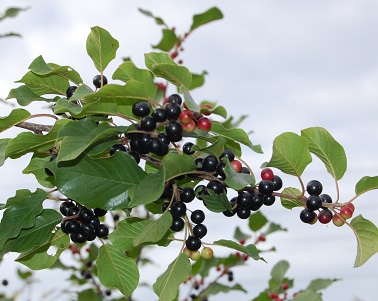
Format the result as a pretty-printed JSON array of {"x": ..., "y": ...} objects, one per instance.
[
  {"x": 218, "y": 268},
  {"x": 261, "y": 238},
  {"x": 186, "y": 116},
  {"x": 204, "y": 124},
  {"x": 242, "y": 241},
  {"x": 273, "y": 295},
  {"x": 174, "y": 54},
  {"x": 267, "y": 174},
  {"x": 189, "y": 127},
  {"x": 284, "y": 286},
  {"x": 346, "y": 212},
  {"x": 161, "y": 86},
  {"x": 337, "y": 221},
  {"x": 236, "y": 164},
  {"x": 351, "y": 206},
  {"x": 325, "y": 216}
]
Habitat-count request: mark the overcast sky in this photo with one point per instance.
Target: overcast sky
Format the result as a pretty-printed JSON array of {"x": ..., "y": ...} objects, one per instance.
[{"x": 289, "y": 65}]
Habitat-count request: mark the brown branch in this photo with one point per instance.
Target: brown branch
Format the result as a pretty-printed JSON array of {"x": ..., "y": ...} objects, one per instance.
[{"x": 34, "y": 127}]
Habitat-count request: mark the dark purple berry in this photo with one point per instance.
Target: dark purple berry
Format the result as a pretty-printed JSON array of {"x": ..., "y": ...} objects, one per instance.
[
  {"x": 85, "y": 215},
  {"x": 172, "y": 110},
  {"x": 244, "y": 200},
  {"x": 175, "y": 98},
  {"x": 277, "y": 183},
  {"x": 200, "y": 230},
  {"x": 269, "y": 200},
  {"x": 178, "y": 209},
  {"x": 314, "y": 187},
  {"x": 159, "y": 115},
  {"x": 148, "y": 124},
  {"x": 78, "y": 238},
  {"x": 307, "y": 215},
  {"x": 313, "y": 202},
  {"x": 65, "y": 206},
  {"x": 97, "y": 81},
  {"x": 141, "y": 109},
  {"x": 243, "y": 213},
  {"x": 193, "y": 243}
]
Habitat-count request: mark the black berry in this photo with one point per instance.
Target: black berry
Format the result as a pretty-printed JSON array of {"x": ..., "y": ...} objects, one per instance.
[
  {"x": 117, "y": 148},
  {"x": 141, "y": 109},
  {"x": 102, "y": 231},
  {"x": 313, "y": 202},
  {"x": 100, "y": 212},
  {"x": 178, "y": 224},
  {"x": 148, "y": 124},
  {"x": 314, "y": 187},
  {"x": 193, "y": 243},
  {"x": 70, "y": 91},
  {"x": 266, "y": 187},
  {"x": 172, "y": 111},
  {"x": 200, "y": 230},
  {"x": 178, "y": 209},
  {"x": 229, "y": 154},
  {"x": 197, "y": 216},
  {"x": 159, "y": 115},
  {"x": 187, "y": 195},
  {"x": 175, "y": 98},
  {"x": 187, "y": 148},
  {"x": 97, "y": 81},
  {"x": 307, "y": 215},
  {"x": 209, "y": 163}
]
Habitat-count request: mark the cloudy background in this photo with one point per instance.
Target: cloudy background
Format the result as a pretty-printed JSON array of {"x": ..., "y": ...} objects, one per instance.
[{"x": 289, "y": 65}]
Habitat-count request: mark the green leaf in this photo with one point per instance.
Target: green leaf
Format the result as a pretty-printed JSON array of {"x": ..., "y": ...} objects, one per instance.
[
  {"x": 148, "y": 190},
  {"x": 12, "y": 12},
  {"x": 327, "y": 149},
  {"x": 189, "y": 101},
  {"x": 24, "y": 95},
  {"x": 208, "y": 16},
  {"x": 15, "y": 117},
  {"x": 367, "y": 239},
  {"x": 250, "y": 249},
  {"x": 198, "y": 80},
  {"x": 235, "y": 134},
  {"x": 256, "y": 221},
  {"x": 100, "y": 182},
  {"x": 81, "y": 92},
  {"x": 320, "y": 284},
  {"x": 24, "y": 275},
  {"x": 264, "y": 296},
  {"x": 167, "y": 285},
  {"x": 216, "y": 288},
  {"x": 28, "y": 142},
  {"x": 130, "y": 228},
  {"x": 89, "y": 294},
  {"x": 236, "y": 180},
  {"x": 291, "y": 203},
  {"x": 216, "y": 202},
  {"x": 114, "y": 269},
  {"x": 155, "y": 231},
  {"x": 21, "y": 212},
  {"x": 203, "y": 266},
  {"x": 163, "y": 66},
  {"x": 76, "y": 137},
  {"x": 147, "y": 13},
  {"x": 128, "y": 70},
  {"x": 238, "y": 235},
  {"x": 176, "y": 165},
  {"x": 290, "y": 154},
  {"x": 168, "y": 41},
  {"x": 37, "y": 168},
  {"x": 273, "y": 228},
  {"x": 44, "y": 256},
  {"x": 36, "y": 235},
  {"x": 308, "y": 295},
  {"x": 366, "y": 184},
  {"x": 3, "y": 147},
  {"x": 279, "y": 270},
  {"x": 101, "y": 47}
]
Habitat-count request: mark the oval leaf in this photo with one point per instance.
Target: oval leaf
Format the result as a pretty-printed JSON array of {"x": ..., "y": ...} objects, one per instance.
[
  {"x": 208, "y": 16},
  {"x": 250, "y": 249},
  {"x": 366, "y": 184},
  {"x": 15, "y": 117},
  {"x": 290, "y": 203}
]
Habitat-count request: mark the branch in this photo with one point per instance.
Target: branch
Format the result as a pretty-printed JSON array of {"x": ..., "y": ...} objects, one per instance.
[{"x": 34, "y": 127}]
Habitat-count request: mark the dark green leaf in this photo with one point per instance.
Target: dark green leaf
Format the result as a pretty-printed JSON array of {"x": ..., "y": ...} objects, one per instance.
[
  {"x": 215, "y": 202},
  {"x": 167, "y": 285},
  {"x": 176, "y": 165},
  {"x": 367, "y": 239},
  {"x": 21, "y": 213},
  {"x": 198, "y": 80},
  {"x": 366, "y": 184},
  {"x": 12, "y": 12},
  {"x": 24, "y": 275},
  {"x": 3, "y": 146},
  {"x": 256, "y": 221},
  {"x": 327, "y": 149},
  {"x": 147, "y": 13},
  {"x": 216, "y": 288},
  {"x": 208, "y": 16},
  {"x": 24, "y": 95},
  {"x": 101, "y": 47},
  {"x": 273, "y": 228},
  {"x": 15, "y": 117},
  {"x": 89, "y": 294},
  {"x": 37, "y": 168},
  {"x": 250, "y": 250},
  {"x": 308, "y": 295},
  {"x": 168, "y": 41},
  {"x": 290, "y": 154}
]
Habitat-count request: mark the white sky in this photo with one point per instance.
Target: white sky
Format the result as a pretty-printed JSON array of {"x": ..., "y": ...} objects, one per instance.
[{"x": 288, "y": 64}]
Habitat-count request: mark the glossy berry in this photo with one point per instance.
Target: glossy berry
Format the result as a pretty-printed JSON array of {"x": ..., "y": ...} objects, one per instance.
[
  {"x": 337, "y": 221},
  {"x": 193, "y": 243},
  {"x": 346, "y": 212},
  {"x": 175, "y": 98},
  {"x": 195, "y": 255},
  {"x": 164, "y": 207},
  {"x": 187, "y": 148},
  {"x": 70, "y": 91},
  {"x": 220, "y": 170},
  {"x": 269, "y": 200},
  {"x": 141, "y": 109},
  {"x": 71, "y": 226},
  {"x": 243, "y": 213},
  {"x": 257, "y": 201},
  {"x": 164, "y": 138},
  {"x": 148, "y": 124},
  {"x": 277, "y": 183},
  {"x": 216, "y": 186},
  {"x": 313, "y": 202},
  {"x": 172, "y": 111},
  {"x": 95, "y": 222},
  {"x": 178, "y": 209},
  {"x": 314, "y": 187},
  {"x": 159, "y": 115},
  {"x": 207, "y": 253},
  {"x": 186, "y": 116},
  {"x": 102, "y": 231},
  {"x": 245, "y": 170},
  {"x": 325, "y": 198},
  {"x": 209, "y": 163},
  {"x": 74, "y": 210},
  {"x": 229, "y": 154},
  {"x": 87, "y": 230},
  {"x": 78, "y": 238},
  {"x": 5, "y": 282},
  {"x": 325, "y": 216},
  {"x": 189, "y": 127},
  {"x": 135, "y": 156},
  {"x": 187, "y": 195},
  {"x": 266, "y": 187},
  {"x": 307, "y": 215},
  {"x": 197, "y": 216},
  {"x": 85, "y": 215},
  {"x": 117, "y": 148},
  {"x": 244, "y": 200},
  {"x": 174, "y": 131},
  {"x": 100, "y": 212},
  {"x": 351, "y": 206},
  {"x": 157, "y": 147},
  {"x": 267, "y": 174},
  {"x": 65, "y": 206},
  {"x": 97, "y": 81},
  {"x": 198, "y": 162},
  {"x": 200, "y": 230},
  {"x": 178, "y": 224},
  {"x": 236, "y": 165},
  {"x": 204, "y": 124}
]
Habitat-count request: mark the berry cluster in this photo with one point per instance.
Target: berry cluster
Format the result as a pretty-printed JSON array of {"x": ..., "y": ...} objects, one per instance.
[
  {"x": 316, "y": 201},
  {"x": 82, "y": 223}
]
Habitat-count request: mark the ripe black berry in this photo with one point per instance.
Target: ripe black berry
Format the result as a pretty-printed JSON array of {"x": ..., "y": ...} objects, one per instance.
[
  {"x": 219, "y": 171},
  {"x": 307, "y": 215},
  {"x": 74, "y": 210},
  {"x": 148, "y": 124},
  {"x": 71, "y": 226},
  {"x": 216, "y": 186},
  {"x": 5, "y": 282},
  {"x": 99, "y": 211},
  {"x": 187, "y": 195},
  {"x": 97, "y": 81},
  {"x": 175, "y": 98},
  {"x": 178, "y": 209},
  {"x": 141, "y": 109},
  {"x": 199, "y": 191},
  {"x": 102, "y": 231},
  {"x": 266, "y": 187},
  {"x": 187, "y": 148},
  {"x": 172, "y": 110},
  {"x": 178, "y": 224},
  {"x": 209, "y": 163},
  {"x": 135, "y": 156},
  {"x": 164, "y": 138},
  {"x": 70, "y": 91},
  {"x": 193, "y": 243},
  {"x": 200, "y": 230},
  {"x": 229, "y": 154},
  {"x": 245, "y": 170},
  {"x": 65, "y": 206},
  {"x": 244, "y": 200},
  {"x": 159, "y": 115},
  {"x": 95, "y": 222},
  {"x": 117, "y": 148},
  {"x": 85, "y": 215},
  {"x": 314, "y": 187},
  {"x": 87, "y": 230},
  {"x": 197, "y": 216},
  {"x": 164, "y": 207},
  {"x": 174, "y": 131},
  {"x": 257, "y": 201},
  {"x": 313, "y": 202},
  {"x": 156, "y": 146},
  {"x": 78, "y": 238},
  {"x": 277, "y": 183},
  {"x": 269, "y": 200},
  {"x": 325, "y": 198},
  {"x": 243, "y": 213}
]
